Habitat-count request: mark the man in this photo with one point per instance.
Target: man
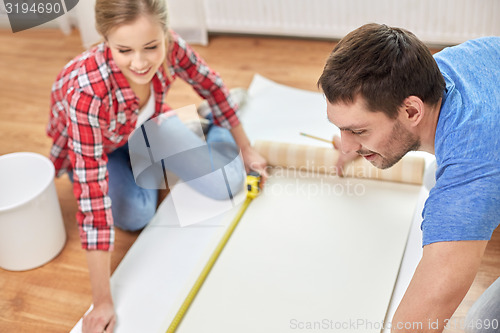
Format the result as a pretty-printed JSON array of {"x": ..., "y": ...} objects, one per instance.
[{"x": 388, "y": 96}]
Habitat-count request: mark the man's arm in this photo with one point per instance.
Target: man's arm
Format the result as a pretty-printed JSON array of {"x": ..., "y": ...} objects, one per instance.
[{"x": 441, "y": 280}]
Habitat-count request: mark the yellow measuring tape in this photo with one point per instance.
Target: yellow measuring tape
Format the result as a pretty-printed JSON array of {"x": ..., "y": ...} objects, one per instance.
[{"x": 253, "y": 182}]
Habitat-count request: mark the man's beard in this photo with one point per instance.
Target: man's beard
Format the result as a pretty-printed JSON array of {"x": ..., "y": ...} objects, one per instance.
[{"x": 400, "y": 142}]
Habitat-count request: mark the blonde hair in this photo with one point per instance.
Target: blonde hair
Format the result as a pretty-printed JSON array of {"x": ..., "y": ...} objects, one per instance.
[{"x": 112, "y": 13}]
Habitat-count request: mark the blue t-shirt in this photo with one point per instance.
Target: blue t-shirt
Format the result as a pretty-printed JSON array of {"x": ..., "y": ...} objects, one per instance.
[{"x": 465, "y": 202}]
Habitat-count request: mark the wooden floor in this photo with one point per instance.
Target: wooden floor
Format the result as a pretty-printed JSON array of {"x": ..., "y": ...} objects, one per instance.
[{"x": 53, "y": 297}]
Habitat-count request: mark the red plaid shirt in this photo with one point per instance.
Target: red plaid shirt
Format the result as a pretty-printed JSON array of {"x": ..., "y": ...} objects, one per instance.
[{"x": 94, "y": 111}]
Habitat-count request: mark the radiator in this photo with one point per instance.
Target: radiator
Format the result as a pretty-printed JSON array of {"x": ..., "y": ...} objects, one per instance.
[{"x": 436, "y": 22}]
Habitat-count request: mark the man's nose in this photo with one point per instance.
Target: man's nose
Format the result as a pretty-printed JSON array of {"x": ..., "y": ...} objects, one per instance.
[{"x": 348, "y": 143}]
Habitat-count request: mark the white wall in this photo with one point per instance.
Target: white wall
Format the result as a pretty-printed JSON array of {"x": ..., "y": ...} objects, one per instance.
[
  {"x": 4, "y": 20},
  {"x": 85, "y": 22},
  {"x": 187, "y": 17},
  {"x": 436, "y": 22},
  {"x": 441, "y": 22}
]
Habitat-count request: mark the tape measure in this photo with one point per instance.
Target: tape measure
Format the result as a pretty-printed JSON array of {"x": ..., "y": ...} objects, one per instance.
[{"x": 253, "y": 190}]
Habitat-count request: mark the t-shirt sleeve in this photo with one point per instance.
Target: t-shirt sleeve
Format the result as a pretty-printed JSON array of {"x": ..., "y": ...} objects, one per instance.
[{"x": 464, "y": 204}]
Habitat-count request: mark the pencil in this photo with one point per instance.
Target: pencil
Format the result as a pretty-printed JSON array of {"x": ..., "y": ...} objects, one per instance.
[{"x": 315, "y": 137}]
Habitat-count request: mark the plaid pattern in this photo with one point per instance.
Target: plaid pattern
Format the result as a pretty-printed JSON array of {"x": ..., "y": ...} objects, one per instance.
[{"x": 94, "y": 111}]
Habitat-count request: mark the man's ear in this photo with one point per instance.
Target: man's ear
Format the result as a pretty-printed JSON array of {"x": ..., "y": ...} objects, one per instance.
[{"x": 413, "y": 110}]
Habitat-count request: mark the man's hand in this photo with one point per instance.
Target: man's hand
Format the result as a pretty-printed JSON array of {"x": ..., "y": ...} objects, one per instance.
[
  {"x": 102, "y": 318},
  {"x": 441, "y": 280}
]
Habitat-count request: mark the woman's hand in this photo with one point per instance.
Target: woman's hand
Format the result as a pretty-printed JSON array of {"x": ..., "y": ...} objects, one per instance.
[
  {"x": 102, "y": 318},
  {"x": 254, "y": 161},
  {"x": 343, "y": 159}
]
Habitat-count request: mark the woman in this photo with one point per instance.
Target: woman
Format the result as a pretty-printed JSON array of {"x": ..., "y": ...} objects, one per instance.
[{"x": 99, "y": 98}]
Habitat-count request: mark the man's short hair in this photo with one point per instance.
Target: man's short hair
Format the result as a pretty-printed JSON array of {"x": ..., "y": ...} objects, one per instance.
[{"x": 384, "y": 65}]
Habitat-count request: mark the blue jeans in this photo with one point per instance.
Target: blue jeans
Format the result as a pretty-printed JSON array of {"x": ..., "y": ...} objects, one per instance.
[
  {"x": 134, "y": 206},
  {"x": 484, "y": 315}
]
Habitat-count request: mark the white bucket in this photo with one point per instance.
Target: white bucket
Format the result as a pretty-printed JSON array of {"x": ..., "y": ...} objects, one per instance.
[{"x": 31, "y": 225}]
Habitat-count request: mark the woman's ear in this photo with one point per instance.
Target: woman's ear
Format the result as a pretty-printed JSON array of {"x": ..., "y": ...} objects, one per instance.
[{"x": 413, "y": 110}]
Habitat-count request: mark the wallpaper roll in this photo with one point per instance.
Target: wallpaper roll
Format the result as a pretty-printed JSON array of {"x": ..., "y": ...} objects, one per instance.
[{"x": 304, "y": 158}]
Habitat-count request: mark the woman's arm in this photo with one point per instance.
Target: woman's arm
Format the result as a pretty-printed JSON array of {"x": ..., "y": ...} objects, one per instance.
[
  {"x": 102, "y": 317},
  {"x": 189, "y": 66},
  {"x": 94, "y": 215}
]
